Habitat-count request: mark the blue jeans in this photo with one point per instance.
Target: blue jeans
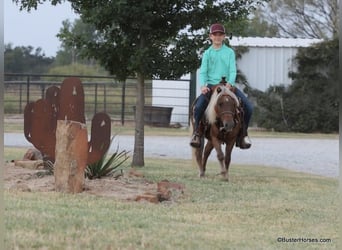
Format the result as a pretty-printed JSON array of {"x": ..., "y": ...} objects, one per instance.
[{"x": 203, "y": 100}]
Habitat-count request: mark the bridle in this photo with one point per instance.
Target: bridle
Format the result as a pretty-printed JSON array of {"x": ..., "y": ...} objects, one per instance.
[{"x": 228, "y": 111}]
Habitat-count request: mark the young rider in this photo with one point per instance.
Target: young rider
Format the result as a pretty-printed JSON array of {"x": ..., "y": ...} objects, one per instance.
[{"x": 218, "y": 61}]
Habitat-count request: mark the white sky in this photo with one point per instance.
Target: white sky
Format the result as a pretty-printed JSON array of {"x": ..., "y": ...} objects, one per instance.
[{"x": 37, "y": 28}]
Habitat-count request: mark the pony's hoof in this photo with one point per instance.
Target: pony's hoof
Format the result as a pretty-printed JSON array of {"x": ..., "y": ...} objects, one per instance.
[
  {"x": 224, "y": 176},
  {"x": 201, "y": 175},
  {"x": 225, "y": 179}
]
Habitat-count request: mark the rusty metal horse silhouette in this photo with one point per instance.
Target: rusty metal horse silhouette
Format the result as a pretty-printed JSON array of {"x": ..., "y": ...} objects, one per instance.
[{"x": 64, "y": 103}]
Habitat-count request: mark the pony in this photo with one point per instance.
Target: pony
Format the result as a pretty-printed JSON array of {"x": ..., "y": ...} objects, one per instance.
[{"x": 221, "y": 124}]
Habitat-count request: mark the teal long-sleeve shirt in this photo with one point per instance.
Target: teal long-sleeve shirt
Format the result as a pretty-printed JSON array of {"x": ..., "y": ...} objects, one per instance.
[{"x": 217, "y": 63}]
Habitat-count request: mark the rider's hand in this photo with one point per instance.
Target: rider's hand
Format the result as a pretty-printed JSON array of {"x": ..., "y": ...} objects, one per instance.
[
  {"x": 205, "y": 90},
  {"x": 231, "y": 87}
]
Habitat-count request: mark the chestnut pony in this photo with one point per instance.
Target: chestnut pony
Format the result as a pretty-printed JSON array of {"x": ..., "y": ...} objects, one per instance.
[{"x": 220, "y": 125}]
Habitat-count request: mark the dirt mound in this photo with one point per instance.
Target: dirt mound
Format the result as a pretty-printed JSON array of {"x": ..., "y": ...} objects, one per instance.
[{"x": 131, "y": 186}]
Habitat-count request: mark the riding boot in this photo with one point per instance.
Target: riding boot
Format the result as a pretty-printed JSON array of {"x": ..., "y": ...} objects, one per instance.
[
  {"x": 195, "y": 139},
  {"x": 243, "y": 141},
  {"x": 197, "y": 135}
]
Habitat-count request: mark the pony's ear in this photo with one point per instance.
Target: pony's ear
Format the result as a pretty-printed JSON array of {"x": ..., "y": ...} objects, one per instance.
[{"x": 218, "y": 89}]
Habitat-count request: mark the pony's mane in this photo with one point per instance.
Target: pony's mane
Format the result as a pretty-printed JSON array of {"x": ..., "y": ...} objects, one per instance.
[{"x": 210, "y": 111}]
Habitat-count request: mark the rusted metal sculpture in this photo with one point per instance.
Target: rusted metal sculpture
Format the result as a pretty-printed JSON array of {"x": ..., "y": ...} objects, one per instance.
[{"x": 64, "y": 103}]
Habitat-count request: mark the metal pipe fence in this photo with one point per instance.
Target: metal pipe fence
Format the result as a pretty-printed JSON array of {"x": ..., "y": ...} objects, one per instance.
[{"x": 102, "y": 94}]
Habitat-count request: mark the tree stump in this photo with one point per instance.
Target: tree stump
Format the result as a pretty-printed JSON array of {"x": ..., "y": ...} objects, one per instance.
[{"x": 71, "y": 156}]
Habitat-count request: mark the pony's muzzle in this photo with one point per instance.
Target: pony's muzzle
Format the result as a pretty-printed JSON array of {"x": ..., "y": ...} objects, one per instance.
[{"x": 228, "y": 126}]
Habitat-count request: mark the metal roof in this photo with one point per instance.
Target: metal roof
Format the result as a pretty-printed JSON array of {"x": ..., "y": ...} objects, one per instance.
[{"x": 272, "y": 42}]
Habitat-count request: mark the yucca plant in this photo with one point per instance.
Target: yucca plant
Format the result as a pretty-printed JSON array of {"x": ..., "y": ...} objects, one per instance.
[
  {"x": 107, "y": 167},
  {"x": 48, "y": 168}
]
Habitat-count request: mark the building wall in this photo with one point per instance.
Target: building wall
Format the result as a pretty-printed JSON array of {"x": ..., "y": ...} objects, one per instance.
[
  {"x": 267, "y": 66},
  {"x": 268, "y": 61}
]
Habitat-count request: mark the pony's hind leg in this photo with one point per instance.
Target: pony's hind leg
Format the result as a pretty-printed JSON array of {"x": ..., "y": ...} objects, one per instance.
[
  {"x": 198, "y": 152},
  {"x": 198, "y": 156}
]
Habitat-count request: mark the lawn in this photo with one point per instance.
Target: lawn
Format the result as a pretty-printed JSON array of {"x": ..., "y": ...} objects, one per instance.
[{"x": 260, "y": 208}]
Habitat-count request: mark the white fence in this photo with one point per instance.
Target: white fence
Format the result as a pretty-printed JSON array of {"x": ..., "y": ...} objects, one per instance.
[{"x": 173, "y": 94}]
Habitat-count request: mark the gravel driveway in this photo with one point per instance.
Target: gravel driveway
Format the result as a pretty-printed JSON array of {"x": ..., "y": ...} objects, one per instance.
[{"x": 316, "y": 156}]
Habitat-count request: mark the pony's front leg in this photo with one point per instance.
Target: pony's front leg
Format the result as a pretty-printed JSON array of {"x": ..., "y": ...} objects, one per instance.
[
  {"x": 207, "y": 150},
  {"x": 229, "y": 149},
  {"x": 220, "y": 156}
]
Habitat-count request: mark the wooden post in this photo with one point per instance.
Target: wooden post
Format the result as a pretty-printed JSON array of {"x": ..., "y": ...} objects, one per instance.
[{"x": 71, "y": 156}]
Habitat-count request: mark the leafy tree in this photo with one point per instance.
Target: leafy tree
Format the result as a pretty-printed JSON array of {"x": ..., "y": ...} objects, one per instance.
[
  {"x": 303, "y": 18},
  {"x": 25, "y": 60},
  {"x": 150, "y": 38},
  {"x": 256, "y": 26},
  {"x": 253, "y": 25},
  {"x": 315, "y": 88},
  {"x": 310, "y": 103},
  {"x": 69, "y": 52}
]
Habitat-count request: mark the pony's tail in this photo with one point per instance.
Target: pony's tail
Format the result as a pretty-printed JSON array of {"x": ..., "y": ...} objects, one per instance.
[
  {"x": 196, "y": 152},
  {"x": 193, "y": 150}
]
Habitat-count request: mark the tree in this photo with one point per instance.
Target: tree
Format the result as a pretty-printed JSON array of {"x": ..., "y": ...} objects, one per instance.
[
  {"x": 311, "y": 102},
  {"x": 69, "y": 53},
  {"x": 304, "y": 18},
  {"x": 151, "y": 38},
  {"x": 25, "y": 60},
  {"x": 257, "y": 26},
  {"x": 253, "y": 25},
  {"x": 314, "y": 92}
]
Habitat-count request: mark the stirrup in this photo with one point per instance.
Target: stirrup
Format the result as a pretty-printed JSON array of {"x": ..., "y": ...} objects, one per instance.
[{"x": 195, "y": 141}]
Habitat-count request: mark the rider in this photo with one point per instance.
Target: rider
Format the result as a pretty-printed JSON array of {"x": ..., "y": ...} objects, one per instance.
[{"x": 219, "y": 61}]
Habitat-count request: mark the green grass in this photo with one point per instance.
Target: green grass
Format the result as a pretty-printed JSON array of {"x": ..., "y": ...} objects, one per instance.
[{"x": 257, "y": 206}]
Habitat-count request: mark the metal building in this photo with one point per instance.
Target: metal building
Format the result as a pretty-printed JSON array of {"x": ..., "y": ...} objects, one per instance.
[{"x": 269, "y": 60}]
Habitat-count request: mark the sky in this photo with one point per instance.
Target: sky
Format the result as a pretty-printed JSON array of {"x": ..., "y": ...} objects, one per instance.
[{"x": 37, "y": 28}]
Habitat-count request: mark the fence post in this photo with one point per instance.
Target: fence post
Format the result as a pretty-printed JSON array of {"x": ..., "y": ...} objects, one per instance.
[
  {"x": 192, "y": 92},
  {"x": 42, "y": 87},
  {"x": 28, "y": 89},
  {"x": 95, "y": 98},
  {"x": 20, "y": 98},
  {"x": 104, "y": 98},
  {"x": 123, "y": 102}
]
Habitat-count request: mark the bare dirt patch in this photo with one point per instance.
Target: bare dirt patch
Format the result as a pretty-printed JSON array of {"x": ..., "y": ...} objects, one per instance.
[{"x": 131, "y": 186}]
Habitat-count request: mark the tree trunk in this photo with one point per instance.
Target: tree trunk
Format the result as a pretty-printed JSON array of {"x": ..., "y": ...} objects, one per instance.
[
  {"x": 138, "y": 154},
  {"x": 71, "y": 156}
]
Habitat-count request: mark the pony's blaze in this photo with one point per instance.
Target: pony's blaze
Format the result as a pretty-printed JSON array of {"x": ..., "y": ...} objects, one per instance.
[{"x": 226, "y": 113}]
